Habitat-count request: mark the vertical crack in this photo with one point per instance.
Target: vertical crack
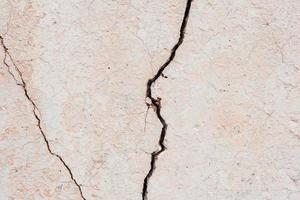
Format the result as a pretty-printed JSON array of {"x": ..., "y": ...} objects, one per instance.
[
  {"x": 156, "y": 102},
  {"x": 35, "y": 109}
]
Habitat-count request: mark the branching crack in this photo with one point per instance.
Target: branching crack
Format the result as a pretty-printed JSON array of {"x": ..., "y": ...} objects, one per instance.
[
  {"x": 156, "y": 102},
  {"x": 21, "y": 82}
]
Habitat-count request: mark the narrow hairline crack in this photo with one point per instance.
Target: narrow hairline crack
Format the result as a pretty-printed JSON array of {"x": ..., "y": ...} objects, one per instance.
[
  {"x": 35, "y": 109},
  {"x": 156, "y": 102}
]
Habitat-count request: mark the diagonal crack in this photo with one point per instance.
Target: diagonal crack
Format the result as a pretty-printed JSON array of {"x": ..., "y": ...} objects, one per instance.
[
  {"x": 35, "y": 109},
  {"x": 156, "y": 102}
]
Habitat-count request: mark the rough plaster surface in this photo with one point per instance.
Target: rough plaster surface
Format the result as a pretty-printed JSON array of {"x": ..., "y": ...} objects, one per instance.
[{"x": 150, "y": 100}]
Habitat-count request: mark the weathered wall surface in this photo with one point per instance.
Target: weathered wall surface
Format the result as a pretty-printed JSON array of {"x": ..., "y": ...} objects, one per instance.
[{"x": 218, "y": 120}]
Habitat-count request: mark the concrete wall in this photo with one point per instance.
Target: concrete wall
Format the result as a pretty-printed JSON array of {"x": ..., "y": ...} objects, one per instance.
[{"x": 149, "y": 100}]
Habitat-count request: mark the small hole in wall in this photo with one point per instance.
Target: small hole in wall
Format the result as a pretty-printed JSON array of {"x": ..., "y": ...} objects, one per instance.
[{"x": 164, "y": 75}]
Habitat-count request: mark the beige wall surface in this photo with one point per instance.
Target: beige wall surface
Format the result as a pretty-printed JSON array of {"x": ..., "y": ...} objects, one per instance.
[{"x": 149, "y": 100}]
